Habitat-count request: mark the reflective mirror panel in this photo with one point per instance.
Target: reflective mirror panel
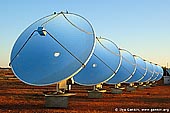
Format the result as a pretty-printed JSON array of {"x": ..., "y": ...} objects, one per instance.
[
  {"x": 160, "y": 73},
  {"x": 59, "y": 53},
  {"x": 126, "y": 70},
  {"x": 103, "y": 64},
  {"x": 156, "y": 73},
  {"x": 140, "y": 70},
  {"x": 149, "y": 72}
]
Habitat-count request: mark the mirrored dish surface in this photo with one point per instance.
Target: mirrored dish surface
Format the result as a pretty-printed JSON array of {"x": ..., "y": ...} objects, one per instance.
[
  {"x": 62, "y": 52},
  {"x": 140, "y": 70},
  {"x": 160, "y": 73},
  {"x": 103, "y": 64},
  {"x": 149, "y": 72},
  {"x": 126, "y": 70},
  {"x": 156, "y": 73},
  {"x": 168, "y": 70}
]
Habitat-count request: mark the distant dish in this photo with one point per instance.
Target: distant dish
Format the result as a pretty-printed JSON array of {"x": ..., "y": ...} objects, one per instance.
[
  {"x": 126, "y": 70},
  {"x": 140, "y": 70},
  {"x": 102, "y": 66},
  {"x": 149, "y": 73},
  {"x": 53, "y": 48},
  {"x": 156, "y": 73},
  {"x": 160, "y": 73}
]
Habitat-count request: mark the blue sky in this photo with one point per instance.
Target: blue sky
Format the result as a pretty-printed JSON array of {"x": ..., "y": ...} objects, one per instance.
[{"x": 139, "y": 26}]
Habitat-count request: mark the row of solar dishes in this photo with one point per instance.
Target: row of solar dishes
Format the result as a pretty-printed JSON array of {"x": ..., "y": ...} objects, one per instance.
[
  {"x": 63, "y": 45},
  {"x": 112, "y": 65}
]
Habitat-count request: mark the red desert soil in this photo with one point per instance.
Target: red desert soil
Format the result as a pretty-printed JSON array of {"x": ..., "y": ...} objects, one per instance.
[{"x": 16, "y": 96}]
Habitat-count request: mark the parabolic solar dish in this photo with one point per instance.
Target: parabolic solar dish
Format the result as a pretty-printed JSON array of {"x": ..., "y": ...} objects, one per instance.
[
  {"x": 155, "y": 75},
  {"x": 103, "y": 64},
  {"x": 160, "y": 73},
  {"x": 53, "y": 48},
  {"x": 126, "y": 70},
  {"x": 140, "y": 70},
  {"x": 168, "y": 70},
  {"x": 149, "y": 72}
]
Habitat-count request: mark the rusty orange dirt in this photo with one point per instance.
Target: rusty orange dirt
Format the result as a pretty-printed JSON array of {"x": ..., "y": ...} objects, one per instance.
[{"x": 16, "y": 96}]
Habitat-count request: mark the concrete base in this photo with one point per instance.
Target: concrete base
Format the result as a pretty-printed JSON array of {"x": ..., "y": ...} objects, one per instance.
[
  {"x": 154, "y": 85},
  {"x": 141, "y": 87},
  {"x": 166, "y": 80},
  {"x": 96, "y": 93},
  {"x": 116, "y": 91},
  {"x": 147, "y": 86},
  {"x": 130, "y": 89},
  {"x": 57, "y": 101}
]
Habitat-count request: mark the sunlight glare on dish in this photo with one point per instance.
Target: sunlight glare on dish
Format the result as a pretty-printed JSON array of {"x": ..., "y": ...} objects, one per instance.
[
  {"x": 94, "y": 65},
  {"x": 56, "y": 54}
]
